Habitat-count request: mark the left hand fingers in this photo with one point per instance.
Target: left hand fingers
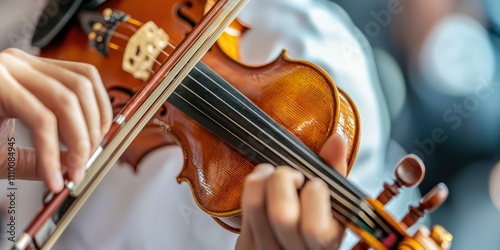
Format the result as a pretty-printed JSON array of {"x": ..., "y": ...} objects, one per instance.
[
  {"x": 318, "y": 227},
  {"x": 256, "y": 232},
  {"x": 274, "y": 216},
  {"x": 283, "y": 206},
  {"x": 334, "y": 152}
]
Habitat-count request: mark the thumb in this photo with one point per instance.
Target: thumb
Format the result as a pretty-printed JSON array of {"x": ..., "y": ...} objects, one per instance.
[{"x": 334, "y": 152}]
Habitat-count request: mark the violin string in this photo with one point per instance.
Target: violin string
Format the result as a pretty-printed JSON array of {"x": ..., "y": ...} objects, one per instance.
[
  {"x": 366, "y": 209},
  {"x": 336, "y": 186},
  {"x": 350, "y": 215},
  {"x": 171, "y": 45},
  {"x": 332, "y": 183},
  {"x": 127, "y": 38},
  {"x": 353, "y": 199},
  {"x": 113, "y": 33},
  {"x": 130, "y": 27}
]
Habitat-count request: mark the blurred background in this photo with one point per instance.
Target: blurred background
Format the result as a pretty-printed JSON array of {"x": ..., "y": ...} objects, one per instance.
[{"x": 439, "y": 64}]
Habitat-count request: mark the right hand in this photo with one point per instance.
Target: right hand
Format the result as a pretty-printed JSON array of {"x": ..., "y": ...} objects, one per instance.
[{"x": 58, "y": 101}]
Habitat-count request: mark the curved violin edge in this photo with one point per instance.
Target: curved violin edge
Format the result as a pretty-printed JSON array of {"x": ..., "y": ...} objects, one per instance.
[
  {"x": 335, "y": 90},
  {"x": 215, "y": 215},
  {"x": 346, "y": 107},
  {"x": 354, "y": 138},
  {"x": 232, "y": 224},
  {"x": 151, "y": 138}
]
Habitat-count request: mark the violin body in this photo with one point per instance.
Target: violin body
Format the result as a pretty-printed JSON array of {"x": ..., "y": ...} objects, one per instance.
[{"x": 296, "y": 94}]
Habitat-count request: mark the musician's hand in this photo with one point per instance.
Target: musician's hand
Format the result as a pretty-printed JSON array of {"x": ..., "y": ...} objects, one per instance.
[
  {"x": 276, "y": 217},
  {"x": 58, "y": 101}
]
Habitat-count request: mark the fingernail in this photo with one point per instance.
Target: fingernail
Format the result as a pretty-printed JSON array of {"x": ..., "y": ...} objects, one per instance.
[
  {"x": 95, "y": 137},
  {"x": 298, "y": 175},
  {"x": 263, "y": 170},
  {"x": 79, "y": 175},
  {"x": 58, "y": 181},
  {"x": 317, "y": 182}
]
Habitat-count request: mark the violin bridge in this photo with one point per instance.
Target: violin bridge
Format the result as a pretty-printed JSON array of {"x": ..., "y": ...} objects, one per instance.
[{"x": 142, "y": 50}]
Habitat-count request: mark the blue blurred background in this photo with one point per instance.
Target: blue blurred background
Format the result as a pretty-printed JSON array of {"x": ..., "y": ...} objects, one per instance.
[{"x": 439, "y": 63}]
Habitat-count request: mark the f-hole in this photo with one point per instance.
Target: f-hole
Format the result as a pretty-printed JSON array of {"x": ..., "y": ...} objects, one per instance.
[
  {"x": 182, "y": 9},
  {"x": 182, "y": 13}
]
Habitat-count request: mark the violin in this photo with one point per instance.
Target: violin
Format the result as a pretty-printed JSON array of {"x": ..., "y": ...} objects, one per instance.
[{"x": 225, "y": 113}]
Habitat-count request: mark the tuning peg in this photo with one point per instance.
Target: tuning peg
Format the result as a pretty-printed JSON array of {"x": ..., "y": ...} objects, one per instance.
[
  {"x": 409, "y": 172},
  {"x": 428, "y": 203}
]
